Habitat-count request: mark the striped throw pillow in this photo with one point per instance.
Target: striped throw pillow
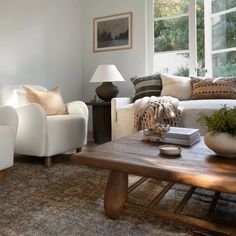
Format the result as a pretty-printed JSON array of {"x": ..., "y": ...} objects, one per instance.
[{"x": 149, "y": 85}]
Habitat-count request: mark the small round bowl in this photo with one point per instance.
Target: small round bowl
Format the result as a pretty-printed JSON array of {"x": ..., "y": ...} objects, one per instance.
[{"x": 170, "y": 150}]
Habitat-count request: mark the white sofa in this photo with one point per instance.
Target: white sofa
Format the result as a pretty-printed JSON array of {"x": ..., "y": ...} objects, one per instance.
[
  {"x": 8, "y": 129},
  {"x": 122, "y": 113},
  {"x": 42, "y": 135}
]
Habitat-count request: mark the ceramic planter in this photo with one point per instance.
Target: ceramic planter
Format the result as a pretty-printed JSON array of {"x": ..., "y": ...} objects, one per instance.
[{"x": 222, "y": 144}]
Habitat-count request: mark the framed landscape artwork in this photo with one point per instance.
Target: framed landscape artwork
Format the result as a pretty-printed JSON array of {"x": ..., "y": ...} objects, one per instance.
[{"x": 112, "y": 32}]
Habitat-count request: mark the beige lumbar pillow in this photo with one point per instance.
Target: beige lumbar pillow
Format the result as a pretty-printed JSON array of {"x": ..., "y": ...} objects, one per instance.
[
  {"x": 176, "y": 86},
  {"x": 50, "y": 100}
]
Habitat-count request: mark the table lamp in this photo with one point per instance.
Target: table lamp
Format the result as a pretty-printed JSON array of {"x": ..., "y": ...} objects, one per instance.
[{"x": 106, "y": 74}]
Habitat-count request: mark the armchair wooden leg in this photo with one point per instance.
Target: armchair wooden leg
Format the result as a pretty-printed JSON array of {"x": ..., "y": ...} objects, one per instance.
[
  {"x": 2, "y": 175},
  {"x": 78, "y": 149},
  {"x": 48, "y": 161}
]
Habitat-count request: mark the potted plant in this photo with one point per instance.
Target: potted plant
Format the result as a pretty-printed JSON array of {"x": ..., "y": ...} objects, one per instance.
[{"x": 221, "y": 135}]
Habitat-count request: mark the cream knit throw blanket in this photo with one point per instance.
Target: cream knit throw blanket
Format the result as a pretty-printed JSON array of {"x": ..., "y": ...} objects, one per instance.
[{"x": 151, "y": 110}]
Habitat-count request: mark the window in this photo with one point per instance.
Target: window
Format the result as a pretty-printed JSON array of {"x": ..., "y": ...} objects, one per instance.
[
  {"x": 171, "y": 36},
  {"x": 180, "y": 43},
  {"x": 220, "y": 42}
]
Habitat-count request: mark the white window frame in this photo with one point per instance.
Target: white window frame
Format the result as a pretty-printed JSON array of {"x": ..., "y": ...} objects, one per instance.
[
  {"x": 192, "y": 36},
  {"x": 149, "y": 36},
  {"x": 209, "y": 52},
  {"x": 208, "y": 38}
]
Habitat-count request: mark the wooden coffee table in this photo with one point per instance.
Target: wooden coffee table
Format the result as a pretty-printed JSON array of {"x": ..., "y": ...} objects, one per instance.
[{"x": 197, "y": 167}]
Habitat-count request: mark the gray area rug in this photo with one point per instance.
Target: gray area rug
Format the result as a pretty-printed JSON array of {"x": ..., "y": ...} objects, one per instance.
[{"x": 68, "y": 200}]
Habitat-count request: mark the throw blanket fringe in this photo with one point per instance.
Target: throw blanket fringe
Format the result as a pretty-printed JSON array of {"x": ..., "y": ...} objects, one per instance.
[{"x": 149, "y": 111}]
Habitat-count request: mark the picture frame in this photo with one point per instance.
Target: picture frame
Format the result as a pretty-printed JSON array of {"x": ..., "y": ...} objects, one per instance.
[{"x": 113, "y": 32}]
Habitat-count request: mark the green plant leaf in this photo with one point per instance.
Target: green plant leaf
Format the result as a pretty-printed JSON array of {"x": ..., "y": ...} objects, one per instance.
[{"x": 221, "y": 121}]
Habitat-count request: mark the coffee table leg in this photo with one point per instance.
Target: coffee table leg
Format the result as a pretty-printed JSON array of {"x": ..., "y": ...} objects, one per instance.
[{"x": 116, "y": 193}]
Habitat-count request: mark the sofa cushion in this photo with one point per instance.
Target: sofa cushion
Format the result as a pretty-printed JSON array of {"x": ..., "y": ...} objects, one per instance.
[
  {"x": 176, "y": 86},
  {"x": 51, "y": 100},
  {"x": 149, "y": 85},
  {"x": 192, "y": 109},
  {"x": 207, "y": 88}
]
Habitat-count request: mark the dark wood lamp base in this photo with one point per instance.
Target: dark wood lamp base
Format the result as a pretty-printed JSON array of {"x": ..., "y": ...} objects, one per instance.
[{"x": 106, "y": 91}]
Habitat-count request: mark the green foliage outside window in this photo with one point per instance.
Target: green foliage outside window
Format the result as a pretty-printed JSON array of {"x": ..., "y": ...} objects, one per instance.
[
  {"x": 225, "y": 70},
  {"x": 221, "y": 5},
  {"x": 172, "y": 34},
  {"x": 169, "y": 8}
]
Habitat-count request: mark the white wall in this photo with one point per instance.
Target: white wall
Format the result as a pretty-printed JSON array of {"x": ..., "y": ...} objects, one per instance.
[
  {"x": 40, "y": 43},
  {"x": 129, "y": 62}
]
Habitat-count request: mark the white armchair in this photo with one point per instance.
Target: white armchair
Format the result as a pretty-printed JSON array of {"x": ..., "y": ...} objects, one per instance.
[
  {"x": 42, "y": 135},
  {"x": 8, "y": 128}
]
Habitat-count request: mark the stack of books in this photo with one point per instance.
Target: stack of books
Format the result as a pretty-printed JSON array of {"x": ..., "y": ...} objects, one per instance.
[{"x": 176, "y": 135}]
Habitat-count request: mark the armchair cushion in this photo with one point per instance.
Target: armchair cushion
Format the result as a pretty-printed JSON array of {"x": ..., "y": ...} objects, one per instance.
[
  {"x": 50, "y": 100},
  {"x": 65, "y": 133}
]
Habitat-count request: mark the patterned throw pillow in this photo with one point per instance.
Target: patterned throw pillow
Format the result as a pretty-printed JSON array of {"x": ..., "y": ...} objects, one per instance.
[
  {"x": 149, "y": 85},
  {"x": 207, "y": 88}
]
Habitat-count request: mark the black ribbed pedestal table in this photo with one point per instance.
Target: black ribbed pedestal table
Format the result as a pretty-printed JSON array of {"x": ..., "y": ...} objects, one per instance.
[{"x": 101, "y": 121}]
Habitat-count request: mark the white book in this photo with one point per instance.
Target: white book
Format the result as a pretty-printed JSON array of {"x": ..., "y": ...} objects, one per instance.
[
  {"x": 178, "y": 133},
  {"x": 171, "y": 140}
]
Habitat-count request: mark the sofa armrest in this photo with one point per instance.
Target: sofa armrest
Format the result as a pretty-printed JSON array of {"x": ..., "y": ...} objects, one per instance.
[
  {"x": 8, "y": 117},
  {"x": 7, "y": 140},
  {"x": 117, "y": 103},
  {"x": 121, "y": 102},
  {"x": 31, "y": 135},
  {"x": 119, "y": 121},
  {"x": 77, "y": 108}
]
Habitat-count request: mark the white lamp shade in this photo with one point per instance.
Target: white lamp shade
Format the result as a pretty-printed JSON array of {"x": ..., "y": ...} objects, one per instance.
[{"x": 106, "y": 73}]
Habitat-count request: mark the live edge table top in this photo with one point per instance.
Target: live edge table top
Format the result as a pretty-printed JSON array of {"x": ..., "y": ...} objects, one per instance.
[{"x": 197, "y": 166}]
